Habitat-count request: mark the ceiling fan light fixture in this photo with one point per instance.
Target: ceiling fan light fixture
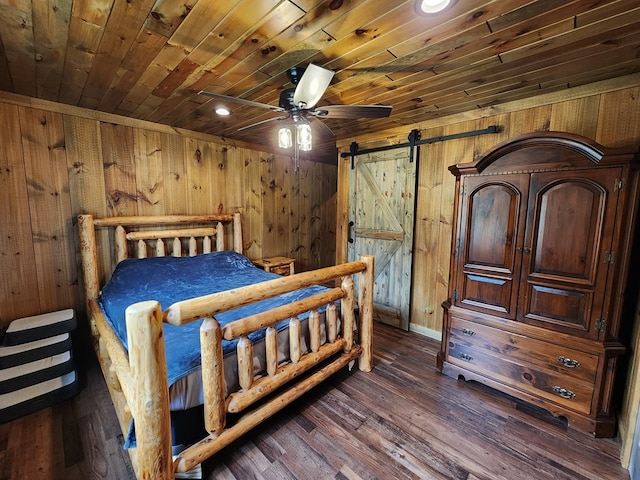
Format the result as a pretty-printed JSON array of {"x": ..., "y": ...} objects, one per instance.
[
  {"x": 303, "y": 137},
  {"x": 284, "y": 138},
  {"x": 431, "y": 7}
]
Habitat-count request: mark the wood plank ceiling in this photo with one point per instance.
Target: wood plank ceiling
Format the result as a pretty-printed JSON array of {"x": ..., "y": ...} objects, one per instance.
[{"x": 147, "y": 59}]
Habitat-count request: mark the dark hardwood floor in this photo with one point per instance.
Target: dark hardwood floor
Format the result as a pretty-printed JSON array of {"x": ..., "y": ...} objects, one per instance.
[{"x": 404, "y": 420}]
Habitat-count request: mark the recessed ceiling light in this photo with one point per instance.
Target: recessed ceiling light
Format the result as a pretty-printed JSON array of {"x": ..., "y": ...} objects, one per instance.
[
  {"x": 222, "y": 111},
  {"x": 431, "y": 7}
]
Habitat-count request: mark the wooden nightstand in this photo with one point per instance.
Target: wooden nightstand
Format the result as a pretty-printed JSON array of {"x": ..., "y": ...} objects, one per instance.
[{"x": 279, "y": 265}]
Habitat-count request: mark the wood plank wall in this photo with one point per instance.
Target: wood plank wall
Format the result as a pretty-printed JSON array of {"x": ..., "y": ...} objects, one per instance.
[
  {"x": 608, "y": 112},
  {"x": 57, "y": 162},
  {"x": 611, "y": 118}
]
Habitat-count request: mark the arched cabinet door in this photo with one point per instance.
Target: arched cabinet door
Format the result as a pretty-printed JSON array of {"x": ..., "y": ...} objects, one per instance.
[
  {"x": 567, "y": 247},
  {"x": 492, "y": 221}
]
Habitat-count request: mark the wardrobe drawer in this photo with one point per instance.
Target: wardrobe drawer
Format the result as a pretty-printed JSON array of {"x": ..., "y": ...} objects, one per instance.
[
  {"x": 555, "y": 358},
  {"x": 513, "y": 360}
]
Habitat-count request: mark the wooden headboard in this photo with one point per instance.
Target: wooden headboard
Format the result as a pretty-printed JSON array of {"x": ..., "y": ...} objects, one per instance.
[{"x": 152, "y": 235}]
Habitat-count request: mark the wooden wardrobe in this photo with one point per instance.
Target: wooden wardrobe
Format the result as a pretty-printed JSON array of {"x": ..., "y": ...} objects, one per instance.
[{"x": 543, "y": 231}]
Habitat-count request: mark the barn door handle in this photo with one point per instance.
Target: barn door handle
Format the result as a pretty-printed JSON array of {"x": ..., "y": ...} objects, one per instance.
[{"x": 349, "y": 237}]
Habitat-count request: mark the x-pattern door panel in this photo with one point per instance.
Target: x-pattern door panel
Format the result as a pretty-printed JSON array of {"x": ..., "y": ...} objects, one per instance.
[{"x": 382, "y": 187}]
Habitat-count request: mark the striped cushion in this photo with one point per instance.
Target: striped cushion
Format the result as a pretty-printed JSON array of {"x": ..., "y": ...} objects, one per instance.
[
  {"x": 30, "y": 329},
  {"x": 35, "y": 397},
  {"x": 12, "y": 355}
]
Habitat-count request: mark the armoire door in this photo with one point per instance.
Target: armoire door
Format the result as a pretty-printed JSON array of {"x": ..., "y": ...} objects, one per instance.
[
  {"x": 568, "y": 249},
  {"x": 492, "y": 218},
  {"x": 382, "y": 196}
]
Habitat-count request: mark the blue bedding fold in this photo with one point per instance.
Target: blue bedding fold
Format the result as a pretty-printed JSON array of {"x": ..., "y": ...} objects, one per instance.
[{"x": 172, "y": 279}]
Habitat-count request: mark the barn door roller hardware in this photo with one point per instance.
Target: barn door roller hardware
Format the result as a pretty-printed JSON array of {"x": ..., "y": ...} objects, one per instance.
[{"x": 414, "y": 140}]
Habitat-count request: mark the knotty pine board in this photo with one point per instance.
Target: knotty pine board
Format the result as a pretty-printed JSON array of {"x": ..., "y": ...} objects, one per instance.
[
  {"x": 147, "y": 149},
  {"x": 252, "y": 220},
  {"x": 174, "y": 174},
  {"x": 18, "y": 295},
  {"x": 43, "y": 148},
  {"x": 119, "y": 169}
]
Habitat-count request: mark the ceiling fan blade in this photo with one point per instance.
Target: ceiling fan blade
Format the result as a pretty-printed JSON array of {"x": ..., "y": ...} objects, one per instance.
[
  {"x": 312, "y": 85},
  {"x": 263, "y": 122},
  {"x": 240, "y": 100},
  {"x": 322, "y": 127},
  {"x": 352, "y": 111}
]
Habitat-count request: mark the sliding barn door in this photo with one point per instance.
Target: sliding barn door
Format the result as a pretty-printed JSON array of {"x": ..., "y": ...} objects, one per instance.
[{"x": 381, "y": 205}]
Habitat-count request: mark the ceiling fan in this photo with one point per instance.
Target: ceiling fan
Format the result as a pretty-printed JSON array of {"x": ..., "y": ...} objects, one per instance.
[{"x": 298, "y": 106}]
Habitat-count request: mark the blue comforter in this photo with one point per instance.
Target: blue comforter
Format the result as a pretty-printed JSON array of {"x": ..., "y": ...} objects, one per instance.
[{"x": 172, "y": 279}]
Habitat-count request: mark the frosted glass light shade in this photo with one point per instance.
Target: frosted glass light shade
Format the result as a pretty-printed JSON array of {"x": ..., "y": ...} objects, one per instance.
[
  {"x": 284, "y": 138},
  {"x": 303, "y": 137}
]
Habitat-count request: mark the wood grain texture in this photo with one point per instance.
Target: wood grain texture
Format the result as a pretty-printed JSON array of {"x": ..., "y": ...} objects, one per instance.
[
  {"x": 150, "y": 401},
  {"x": 589, "y": 114},
  {"x": 19, "y": 272},
  {"x": 149, "y": 59},
  {"x": 56, "y": 166},
  {"x": 403, "y": 420},
  {"x": 50, "y": 207},
  {"x": 119, "y": 169}
]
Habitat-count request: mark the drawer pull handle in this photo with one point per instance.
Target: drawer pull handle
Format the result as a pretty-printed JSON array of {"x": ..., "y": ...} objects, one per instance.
[
  {"x": 568, "y": 362},
  {"x": 466, "y": 331},
  {"x": 466, "y": 357},
  {"x": 563, "y": 392}
]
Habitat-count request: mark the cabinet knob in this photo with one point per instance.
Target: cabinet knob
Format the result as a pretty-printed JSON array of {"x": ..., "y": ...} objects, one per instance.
[
  {"x": 568, "y": 362},
  {"x": 563, "y": 392}
]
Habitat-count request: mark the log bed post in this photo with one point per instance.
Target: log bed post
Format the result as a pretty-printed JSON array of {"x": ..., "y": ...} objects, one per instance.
[
  {"x": 148, "y": 365},
  {"x": 88, "y": 253},
  {"x": 365, "y": 300},
  {"x": 212, "y": 375},
  {"x": 237, "y": 233},
  {"x": 120, "y": 237},
  {"x": 347, "y": 306}
]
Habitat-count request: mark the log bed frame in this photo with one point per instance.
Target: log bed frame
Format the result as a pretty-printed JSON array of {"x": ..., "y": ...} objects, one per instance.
[{"x": 137, "y": 381}]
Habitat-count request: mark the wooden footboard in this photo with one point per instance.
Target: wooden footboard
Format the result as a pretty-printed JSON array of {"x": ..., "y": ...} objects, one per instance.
[{"x": 137, "y": 381}]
